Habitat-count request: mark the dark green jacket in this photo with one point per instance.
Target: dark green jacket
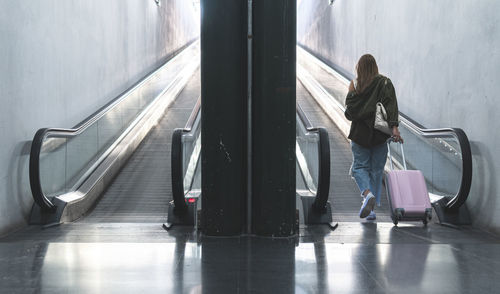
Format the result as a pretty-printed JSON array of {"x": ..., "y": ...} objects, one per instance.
[{"x": 360, "y": 109}]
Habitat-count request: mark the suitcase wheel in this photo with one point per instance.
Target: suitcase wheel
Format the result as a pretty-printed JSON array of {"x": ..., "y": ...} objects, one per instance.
[
  {"x": 427, "y": 217},
  {"x": 394, "y": 220}
]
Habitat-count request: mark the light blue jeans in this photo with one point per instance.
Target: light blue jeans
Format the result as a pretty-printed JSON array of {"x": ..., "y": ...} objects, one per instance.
[{"x": 368, "y": 168}]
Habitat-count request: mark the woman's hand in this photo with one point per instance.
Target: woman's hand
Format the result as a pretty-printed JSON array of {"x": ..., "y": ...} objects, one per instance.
[
  {"x": 396, "y": 134},
  {"x": 351, "y": 87}
]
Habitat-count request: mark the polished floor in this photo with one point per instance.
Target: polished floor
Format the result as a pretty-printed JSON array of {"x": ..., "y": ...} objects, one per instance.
[{"x": 358, "y": 257}]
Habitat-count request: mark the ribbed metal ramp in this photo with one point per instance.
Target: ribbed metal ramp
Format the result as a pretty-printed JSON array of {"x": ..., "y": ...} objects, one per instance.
[{"x": 142, "y": 189}]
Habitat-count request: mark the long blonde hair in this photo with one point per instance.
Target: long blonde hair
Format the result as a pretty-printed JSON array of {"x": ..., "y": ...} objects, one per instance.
[{"x": 366, "y": 70}]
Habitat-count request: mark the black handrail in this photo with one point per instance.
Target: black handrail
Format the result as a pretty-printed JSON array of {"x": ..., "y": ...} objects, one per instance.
[
  {"x": 324, "y": 161},
  {"x": 180, "y": 206},
  {"x": 34, "y": 172},
  {"x": 459, "y": 199},
  {"x": 177, "y": 173}
]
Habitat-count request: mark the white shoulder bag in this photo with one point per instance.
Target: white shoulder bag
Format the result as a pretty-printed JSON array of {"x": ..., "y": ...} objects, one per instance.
[{"x": 381, "y": 120}]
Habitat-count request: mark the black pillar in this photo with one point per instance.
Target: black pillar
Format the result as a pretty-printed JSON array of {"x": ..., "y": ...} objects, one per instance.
[
  {"x": 223, "y": 115},
  {"x": 273, "y": 117}
]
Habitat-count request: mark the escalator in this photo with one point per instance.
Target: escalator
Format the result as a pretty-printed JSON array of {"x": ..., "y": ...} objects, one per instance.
[
  {"x": 72, "y": 169},
  {"x": 103, "y": 156},
  {"x": 80, "y": 175},
  {"x": 443, "y": 155}
]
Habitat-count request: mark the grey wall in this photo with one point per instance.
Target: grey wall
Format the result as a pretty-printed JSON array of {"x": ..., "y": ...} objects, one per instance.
[
  {"x": 60, "y": 61},
  {"x": 443, "y": 57}
]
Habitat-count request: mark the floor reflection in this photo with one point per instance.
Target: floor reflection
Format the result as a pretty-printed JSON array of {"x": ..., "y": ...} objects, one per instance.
[
  {"x": 383, "y": 261},
  {"x": 248, "y": 265},
  {"x": 105, "y": 267},
  {"x": 404, "y": 266}
]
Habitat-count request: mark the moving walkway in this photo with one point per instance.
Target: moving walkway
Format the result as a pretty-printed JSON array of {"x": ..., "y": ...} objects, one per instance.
[
  {"x": 70, "y": 169},
  {"x": 443, "y": 155}
]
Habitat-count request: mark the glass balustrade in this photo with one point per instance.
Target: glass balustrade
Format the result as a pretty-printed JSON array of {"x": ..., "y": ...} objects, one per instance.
[
  {"x": 307, "y": 158},
  {"x": 191, "y": 151}
]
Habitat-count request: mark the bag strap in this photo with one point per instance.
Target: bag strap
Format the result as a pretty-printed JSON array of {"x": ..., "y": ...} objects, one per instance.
[{"x": 382, "y": 90}]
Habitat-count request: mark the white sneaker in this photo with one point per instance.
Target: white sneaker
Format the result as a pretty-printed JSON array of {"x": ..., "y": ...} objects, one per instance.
[
  {"x": 371, "y": 216},
  {"x": 367, "y": 206}
]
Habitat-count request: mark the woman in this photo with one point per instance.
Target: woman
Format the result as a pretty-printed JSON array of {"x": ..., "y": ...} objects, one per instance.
[{"x": 368, "y": 145}]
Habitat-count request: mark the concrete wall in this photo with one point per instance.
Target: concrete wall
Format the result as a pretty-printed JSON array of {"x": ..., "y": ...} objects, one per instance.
[
  {"x": 61, "y": 61},
  {"x": 443, "y": 57}
]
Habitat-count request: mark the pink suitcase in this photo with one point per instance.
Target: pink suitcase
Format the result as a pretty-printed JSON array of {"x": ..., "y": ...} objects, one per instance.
[{"x": 407, "y": 193}]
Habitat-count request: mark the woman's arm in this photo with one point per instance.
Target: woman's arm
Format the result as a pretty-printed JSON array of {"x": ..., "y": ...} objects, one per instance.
[
  {"x": 396, "y": 134},
  {"x": 390, "y": 103},
  {"x": 391, "y": 106}
]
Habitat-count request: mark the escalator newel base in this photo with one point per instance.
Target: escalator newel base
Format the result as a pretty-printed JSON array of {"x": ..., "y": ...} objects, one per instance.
[
  {"x": 446, "y": 216},
  {"x": 187, "y": 217},
  {"x": 312, "y": 216},
  {"x": 39, "y": 216}
]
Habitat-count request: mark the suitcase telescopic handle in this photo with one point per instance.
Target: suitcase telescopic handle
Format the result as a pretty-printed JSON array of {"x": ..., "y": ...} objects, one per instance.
[{"x": 391, "y": 139}]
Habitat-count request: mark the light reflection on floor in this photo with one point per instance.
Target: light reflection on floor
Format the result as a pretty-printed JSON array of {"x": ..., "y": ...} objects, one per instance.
[
  {"x": 355, "y": 258},
  {"x": 130, "y": 267},
  {"x": 273, "y": 264}
]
